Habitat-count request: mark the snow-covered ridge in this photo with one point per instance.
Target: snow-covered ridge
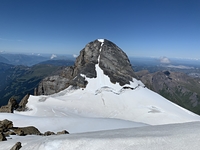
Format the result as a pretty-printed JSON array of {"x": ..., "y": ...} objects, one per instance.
[{"x": 166, "y": 137}]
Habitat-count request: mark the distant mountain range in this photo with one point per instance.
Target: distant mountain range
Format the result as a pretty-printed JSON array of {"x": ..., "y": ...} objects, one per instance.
[
  {"x": 178, "y": 87},
  {"x": 3, "y": 59},
  {"x": 30, "y": 60},
  {"x": 18, "y": 80}
]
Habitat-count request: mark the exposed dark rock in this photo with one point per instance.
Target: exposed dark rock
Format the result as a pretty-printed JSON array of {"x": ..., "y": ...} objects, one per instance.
[
  {"x": 7, "y": 129},
  {"x": 8, "y": 133},
  {"x": 5, "y": 125},
  {"x": 17, "y": 146},
  {"x": 63, "y": 132},
  {"x": 26, "y": 131},
  {"x": 19, "y": 132},
  {"x": 115, "y": 63},
  {"x": 2, "y": 137},
  {"x": 55, "y": 83},
  {"x": 23, "y": 102},
  {"x": 9, "y": 108},
  {"x": 48, "y": 133},
  {"x": 112, "y": 60}
]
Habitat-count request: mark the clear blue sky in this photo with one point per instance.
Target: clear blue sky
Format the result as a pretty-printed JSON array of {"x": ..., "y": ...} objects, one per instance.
[{"x": 168, "y": 28}]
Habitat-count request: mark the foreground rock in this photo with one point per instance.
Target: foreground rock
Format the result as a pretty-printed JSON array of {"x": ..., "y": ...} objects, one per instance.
[
  {"x": 9, "y": 108},
  {"x": 17, "y": 146},
  {"x": 23, "y": 102},
  {"x": 111, "y": 59},
  {"x": 48, "y": 133},
  {"x": 2, "y": 137},
  {"x": 5, "y": 125},
  {"x": 13, "y": 105},
  {"x": 31, "y": 130},
  {"x": 63, "y": 132},
  {"x": 7, "y": 129}
]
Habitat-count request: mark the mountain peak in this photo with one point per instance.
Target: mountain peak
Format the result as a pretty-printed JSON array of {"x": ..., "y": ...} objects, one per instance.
[
  {"x": 100, "y": 54},
  {"x": 110, "y": 58}
]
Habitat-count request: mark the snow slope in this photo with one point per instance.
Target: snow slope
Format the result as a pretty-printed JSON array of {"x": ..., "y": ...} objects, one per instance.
[{"x": 183, "y": 136}]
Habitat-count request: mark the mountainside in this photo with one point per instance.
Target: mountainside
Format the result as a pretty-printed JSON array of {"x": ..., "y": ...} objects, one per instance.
[
  {"x": 100, "y": 92},
  {"x": 17, "y": 81},
  {"x": 175, "y": 86},
  {"x": 3, "y": 60}
]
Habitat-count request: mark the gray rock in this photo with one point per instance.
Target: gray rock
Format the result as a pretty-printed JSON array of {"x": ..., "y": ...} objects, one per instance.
[
  {"x": 112, "y": 60},
  {"x": 115, "y": 63},
  {"x": 23, "y": 102},
  {"x": 63, "y": 132},
  {"x": 17, "y": 146},
  {"x": 8, "y": 133},
  {"x": 9, "y": 108},
  {"x": 2, "y": 137},
  {"x": 56, "y": 83},
  {"x": 5, "y": 125},
  {"x": 48, "y": 133},
  {"x": 31, "y": 130}
]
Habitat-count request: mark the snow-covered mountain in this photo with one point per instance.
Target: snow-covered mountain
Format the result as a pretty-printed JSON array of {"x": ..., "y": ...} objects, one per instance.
[{"x": 102, "y": 94}]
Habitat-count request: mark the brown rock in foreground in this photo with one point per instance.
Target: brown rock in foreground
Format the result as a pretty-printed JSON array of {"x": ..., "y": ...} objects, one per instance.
[{"x": 17, "y": 146}]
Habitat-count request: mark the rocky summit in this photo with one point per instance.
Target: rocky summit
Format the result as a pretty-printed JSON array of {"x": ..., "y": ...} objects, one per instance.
[{"x": 111, "y": 59}]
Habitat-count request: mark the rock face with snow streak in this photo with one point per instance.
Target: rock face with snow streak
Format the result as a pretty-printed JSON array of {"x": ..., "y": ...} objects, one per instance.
[{"x": 111, "y": 59}]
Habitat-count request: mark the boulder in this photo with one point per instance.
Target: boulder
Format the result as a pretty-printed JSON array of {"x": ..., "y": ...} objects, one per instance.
[
  {"x": 19, "y": 132},
  {"x": 8, "y": 133},
  {"x": 5, "y": 125},
  {"x": 63, "y": 132},
  {"x": 48, "y": 133},
  {"x": 23, "y": 102},
  {"x": 9, "y": 108},
  {"x": 17, "y": 146},
  {"x": 2, "y": 137},
  {"x": 31, "y": 130}
]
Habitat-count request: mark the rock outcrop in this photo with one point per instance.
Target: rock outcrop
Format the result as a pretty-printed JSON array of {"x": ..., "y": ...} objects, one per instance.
[
  {"x": 23, "y": 102},
  {"x": 5, "y": 125},
  {"x": 26, "y": 131},
  {"x": 48, "y": 133},
  {"x": 111, "y": 59},
  {"x": 2, "y": 137},
  {"x": 13, "y": 105},
  {"x": 9, "y": 108},
  {"x": 63, "y": 132},
  {"x": 7, "y": 129},
  {"x": 17, "y": 146}
]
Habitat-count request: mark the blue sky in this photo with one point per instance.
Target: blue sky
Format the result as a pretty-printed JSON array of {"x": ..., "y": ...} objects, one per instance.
[{"x": 157, "y": 28}]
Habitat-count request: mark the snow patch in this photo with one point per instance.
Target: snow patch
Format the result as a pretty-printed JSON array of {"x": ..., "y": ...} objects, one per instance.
[{"x": 101, "y": 40}]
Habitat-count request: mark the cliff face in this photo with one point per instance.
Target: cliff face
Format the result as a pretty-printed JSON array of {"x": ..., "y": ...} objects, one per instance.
[{"x": 111, "y": 59}]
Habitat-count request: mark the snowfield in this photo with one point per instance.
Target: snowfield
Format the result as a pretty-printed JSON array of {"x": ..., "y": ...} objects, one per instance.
[
  {"x": 106, "y": 116},
  {"x": 183, "y": 136}
]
